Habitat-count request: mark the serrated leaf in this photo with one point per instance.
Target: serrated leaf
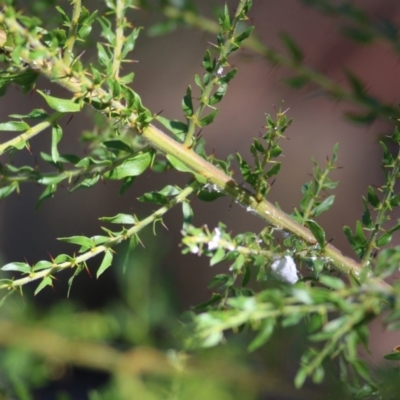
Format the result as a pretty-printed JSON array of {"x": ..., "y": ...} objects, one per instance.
[
  {"x": 61, "y": 105},
  {"x": 107, "y": 260}
]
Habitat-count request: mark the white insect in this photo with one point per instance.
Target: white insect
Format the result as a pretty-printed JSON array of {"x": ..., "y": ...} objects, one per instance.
[{"x": 285, "y": 270}]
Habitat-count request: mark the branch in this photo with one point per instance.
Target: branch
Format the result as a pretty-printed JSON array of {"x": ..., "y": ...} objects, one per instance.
[{"x": 82, "y": 86}]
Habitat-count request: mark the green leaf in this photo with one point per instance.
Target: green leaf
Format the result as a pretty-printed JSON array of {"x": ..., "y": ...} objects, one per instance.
[
  {"x": 42, "y": 265},
  {"x": 187, "y": 212},
  {"x": 46, "y": 281},
  {"x": 131, "y": 167},
  {"x": 178, "y": 128},
  {"x": 121, "y": 219},
  {"x": 373, "y": 199},
  {"x": 394, "y": 356},
  {"x": 154, "y": 197},
  {"x": 17, "y": 266},
  {"x": 178, "y": 165},
  {"x": 332, "y": 282},
  {"x": 80, "y": 240},
  {"x": 187, "y": 103},
  {"x": 87, "y": 183},
  {"x": 208, "y": 119},
  {"x": 318, "y": 232},
  {"x": 291, "y": 45},
  {"x": 13, "y": 126},
  {"x": 243, "y": 36},
  {"x": 246, "y": 275},
  {"x": 384, "y": 239},
  {"x": 61, "y": 105},
  {"x": 265, "y": 333},
  {"x": 117, "y": 145},
  {"x": 218, "y": 256},
  {"x": 56, "y": 135},
  {"x": 48, "y": 193},
  {"x": 297, "y": 82},
  {"x": 208, "y": 63},
  {"x": 107, "y": 260},
  {"x": 324, "y": 206}
]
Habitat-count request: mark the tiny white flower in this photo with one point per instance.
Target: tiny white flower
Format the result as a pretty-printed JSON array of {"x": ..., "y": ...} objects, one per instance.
[
  {"x": 214, "y": 242},
  {"x": 285, "y": 270},
  {"x": 220, "y": 71}
]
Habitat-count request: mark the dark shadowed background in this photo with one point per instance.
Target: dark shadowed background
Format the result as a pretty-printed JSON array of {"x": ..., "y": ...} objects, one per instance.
[{"x": 166, "y": 66}]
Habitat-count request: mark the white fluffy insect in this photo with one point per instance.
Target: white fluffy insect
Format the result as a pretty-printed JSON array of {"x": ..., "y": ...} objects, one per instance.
[{"x": 285, "y": 270}]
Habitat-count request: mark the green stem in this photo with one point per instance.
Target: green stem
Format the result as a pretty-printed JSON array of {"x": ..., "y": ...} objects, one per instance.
[
  {"x": 383, "y": 210},
  {"x": 119, "y": 37},
  {"x": 73, "y": 32},
  {"x": 31, "y": 132},
  {"x": 81, "y": 259},
  {"x": 205, "y": 96}
]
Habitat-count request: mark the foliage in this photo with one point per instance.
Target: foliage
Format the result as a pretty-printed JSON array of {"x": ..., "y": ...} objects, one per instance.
[{"x": 284, "y": 276}]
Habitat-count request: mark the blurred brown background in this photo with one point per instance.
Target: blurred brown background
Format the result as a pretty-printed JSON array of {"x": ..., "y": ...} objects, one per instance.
[{"x": 166, "y": 66}]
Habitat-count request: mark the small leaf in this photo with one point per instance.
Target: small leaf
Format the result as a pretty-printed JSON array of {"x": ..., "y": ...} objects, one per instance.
[
  {"x": 13, "y": 126},
  {"x": 131, "y": 167},
  {"x": 208, "y": 119},
  {"x": 56, "y": 135},
  {"x": 107, "y": 260},
  {"x": 118, "y": 145},
  {"x": 324, "y": 206},
  {"x": 80, "y": 240},
  {"x": 17, "y": 266},
  {"x": 373, "y": 199},
  {"x": 217, "y": 257},
  {"x": 46, "y": 281},
  {"x": 120, "y": 219},
  {"x": 61, "y": 105},
  {"x": 178, "y": 165},
  {"x": 265, "y": 333},
  {"x": 294, "y": 50},
  {"x": 384, "y": 239},
  {"x": 187, "y": 103},
  {"x": 318, "y": 232},
  {"x": 332, "y": 282}
]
